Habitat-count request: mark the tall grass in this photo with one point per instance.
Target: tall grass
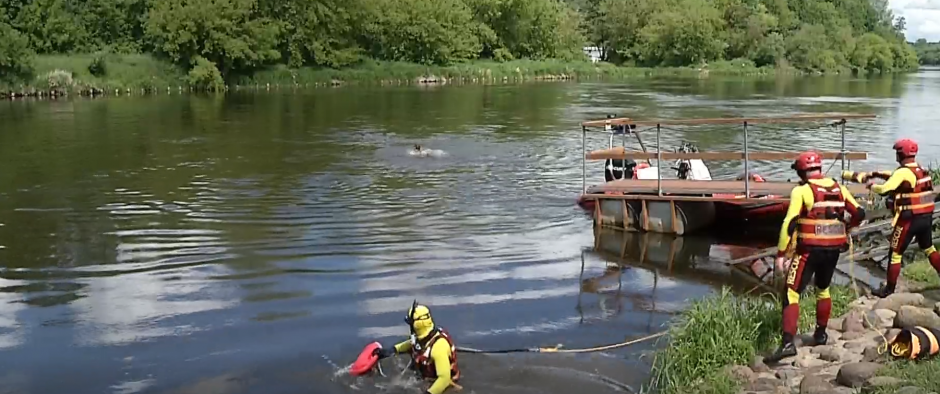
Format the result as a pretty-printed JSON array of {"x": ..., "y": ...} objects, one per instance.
[
  {"x": 924, "y": 374},
  {"x": 141, "y": 71},
  {"x": 921, "y": 272},
  {"x": 484, "y": 71},
  {"x": 73, "y": 72},
  {"x": 724, "y": 330}
]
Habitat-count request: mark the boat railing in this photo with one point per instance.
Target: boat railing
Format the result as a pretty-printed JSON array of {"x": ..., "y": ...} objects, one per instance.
[{"x": 631, "y": 127}]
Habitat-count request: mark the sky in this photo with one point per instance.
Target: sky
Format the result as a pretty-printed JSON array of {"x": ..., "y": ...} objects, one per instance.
[{"x": 922, "y": 17}]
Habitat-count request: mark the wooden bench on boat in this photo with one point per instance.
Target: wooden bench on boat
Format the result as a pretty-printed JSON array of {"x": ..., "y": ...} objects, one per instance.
[{"x": 680, "y": 206}]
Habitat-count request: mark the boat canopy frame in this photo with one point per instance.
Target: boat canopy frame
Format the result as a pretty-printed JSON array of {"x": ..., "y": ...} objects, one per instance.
[{"x": 630, "y": 127}]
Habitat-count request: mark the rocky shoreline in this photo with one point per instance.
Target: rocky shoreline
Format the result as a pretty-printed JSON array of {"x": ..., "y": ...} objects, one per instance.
[{"x": 850, "y": 361}]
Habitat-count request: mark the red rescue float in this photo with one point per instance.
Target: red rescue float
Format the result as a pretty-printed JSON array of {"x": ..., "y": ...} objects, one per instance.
[{"x": 366, "y": 360}]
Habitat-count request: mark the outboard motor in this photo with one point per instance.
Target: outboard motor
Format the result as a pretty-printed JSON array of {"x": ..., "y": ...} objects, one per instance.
[
  {"x": 684, "y": 167},
  {"x": 618, "y": 169},
  {"x": 615, "y": 169}
]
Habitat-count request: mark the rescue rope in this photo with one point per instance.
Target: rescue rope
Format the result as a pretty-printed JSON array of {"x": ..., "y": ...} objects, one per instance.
[
  {"x": 557, "y": 349},
  {"x": 884, "y": 346}
]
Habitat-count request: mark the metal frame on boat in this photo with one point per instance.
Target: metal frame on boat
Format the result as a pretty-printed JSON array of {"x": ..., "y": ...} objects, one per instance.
[{"x": 681, "y": 206}]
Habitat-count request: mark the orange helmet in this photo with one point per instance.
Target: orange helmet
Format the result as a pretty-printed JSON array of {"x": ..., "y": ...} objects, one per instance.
[
  {"x": 806, "y": 161},
  {"x": 905, "y": 147}
]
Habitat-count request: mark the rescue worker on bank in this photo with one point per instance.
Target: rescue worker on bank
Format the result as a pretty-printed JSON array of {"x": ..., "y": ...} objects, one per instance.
[
  {"x": 433, "y": 353},
  {"x": 817, "y": 217},
  {"x": 911, "y": 189}
]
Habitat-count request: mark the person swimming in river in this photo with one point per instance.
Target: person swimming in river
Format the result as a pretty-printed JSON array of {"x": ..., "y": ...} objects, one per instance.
[
  {"x": 433, "y": 354},
  {"x": 422, "y": 152}
]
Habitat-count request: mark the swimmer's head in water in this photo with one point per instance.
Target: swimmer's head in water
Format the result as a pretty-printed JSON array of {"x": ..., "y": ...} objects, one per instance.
[
  {"x": 417, "y": 147},
  {"x": 419, "y": 319}
]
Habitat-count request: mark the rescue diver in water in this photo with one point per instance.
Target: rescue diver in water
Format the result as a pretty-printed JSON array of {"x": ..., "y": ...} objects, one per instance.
[
  {"x": 910, "y": 195},
  {"x": 433, "y": 353},
  {"x": 818, "y": 206}
]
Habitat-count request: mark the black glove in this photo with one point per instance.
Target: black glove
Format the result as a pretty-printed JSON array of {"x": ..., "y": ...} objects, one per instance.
[{"x": 384, "y": 352}]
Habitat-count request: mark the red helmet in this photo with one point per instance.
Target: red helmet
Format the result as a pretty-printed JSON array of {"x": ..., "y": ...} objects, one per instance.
[
  {"x": 806, "y": 161},
  {"x": 906, "y": 147}
]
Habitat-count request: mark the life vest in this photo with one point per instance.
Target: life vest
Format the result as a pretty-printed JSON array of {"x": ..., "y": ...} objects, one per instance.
[
  {"x": 424, "y": 363},
  {"x": 918, "y": 200},
  {"x": 916, "y": 343},
  {"x": 823, "y": 225}
]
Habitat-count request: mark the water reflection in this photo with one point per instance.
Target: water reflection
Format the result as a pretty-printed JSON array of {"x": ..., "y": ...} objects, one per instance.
[{"x": 155, "y": 242}]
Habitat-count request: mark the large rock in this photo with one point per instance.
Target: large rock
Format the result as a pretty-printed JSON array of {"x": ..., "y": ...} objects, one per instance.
[
  {"x": 814, "y": 384},
  {"x": 859, "y": 345},
  {"x": 852, "y": 357},
  {"x": 892, "y": 334},
  {"x": 764, "y": 384},
  {"x": 807, "y": 362},
  {"x": 910, "y": 316},
  {"x": 829, "y": 353},
  {"x": 895, "y": 301},
  {"x": 836, "y": 324},
  {"x": 853, "y": 322},
  {"x": 871, "y": 354},
  {"x": 855, "y": 375},
  {"x": 740, "y": 373},
  {"x": 879, "y": 318},
  {"x": 852, "y": 335},
  {"x": 787, "y": 373},
  {"x": 834, "y": 335},
  {"x": 758, "y": 366}
]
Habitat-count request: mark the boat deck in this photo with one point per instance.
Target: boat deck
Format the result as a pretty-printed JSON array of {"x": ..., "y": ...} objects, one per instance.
[{"x": 701, "y": 188}]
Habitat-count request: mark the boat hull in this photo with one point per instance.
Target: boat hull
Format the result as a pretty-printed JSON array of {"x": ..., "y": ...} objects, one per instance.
[{"x": 690, "y": 216}]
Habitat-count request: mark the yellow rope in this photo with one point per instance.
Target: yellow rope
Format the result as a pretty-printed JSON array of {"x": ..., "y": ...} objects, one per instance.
[
  {"x": 884, "y": 346},
  {"x": 601, "y": 348}
]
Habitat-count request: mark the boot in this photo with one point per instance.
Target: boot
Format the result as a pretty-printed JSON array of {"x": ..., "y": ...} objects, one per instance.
[
  {"x": 787, "y": 349},
  {"x": 884, "y": 291},
  {"x": 820, "y": 337}
]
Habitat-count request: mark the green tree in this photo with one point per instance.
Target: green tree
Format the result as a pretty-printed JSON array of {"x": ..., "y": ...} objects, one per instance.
[
  {"x": 619, "y": 23},
  {"x": 685, "y": 35},
  {"x": 53, "y": 26},
  {"x": 873, "y": 53},
  {"x": 15, "y": 55},
  {"x": 229, "y": 33},
  {"x": 421, "y": 31},
  {"x": 809, "y": 49},
  {"x": 316, "y": 32}
]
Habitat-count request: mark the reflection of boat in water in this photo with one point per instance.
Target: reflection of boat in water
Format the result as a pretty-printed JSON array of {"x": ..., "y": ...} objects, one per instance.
[
  {"x": 653, "y": 263},
  {"x": 637, "y": 196},
  {"x": 698, "y": 259}
]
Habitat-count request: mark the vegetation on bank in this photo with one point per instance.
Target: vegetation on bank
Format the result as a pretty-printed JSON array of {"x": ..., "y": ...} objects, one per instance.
[
  {"x": 921, "y": 272},
  {"x": 928, "y": 53},
  {"x": 221, "y": 41},
  {"x": 923, "y": 374},
  {"x": 724, "y": 330}
]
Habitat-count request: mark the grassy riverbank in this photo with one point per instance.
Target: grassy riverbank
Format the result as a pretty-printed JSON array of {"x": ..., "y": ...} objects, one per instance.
[
  {"x": 920, "y": 273},
  {"x": 107, "y": 72},
  {"x": 725, "y": 330}
]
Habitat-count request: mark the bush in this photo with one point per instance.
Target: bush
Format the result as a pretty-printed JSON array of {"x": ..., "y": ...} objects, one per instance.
[
  {"x": 205, "y": 75},
  {"x": 98, "y": 66}
]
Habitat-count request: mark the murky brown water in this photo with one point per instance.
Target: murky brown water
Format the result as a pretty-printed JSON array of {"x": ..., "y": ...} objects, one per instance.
[{"x": 251, "y": 242}]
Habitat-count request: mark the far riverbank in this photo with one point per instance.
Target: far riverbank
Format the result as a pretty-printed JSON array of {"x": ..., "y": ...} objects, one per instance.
[{"x": 109, "y": 74}]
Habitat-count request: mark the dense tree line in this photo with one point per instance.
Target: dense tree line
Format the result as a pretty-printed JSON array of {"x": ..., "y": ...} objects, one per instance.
[
  {"x": 928, "y": 52},
  {"x": 217, "y": 38}
]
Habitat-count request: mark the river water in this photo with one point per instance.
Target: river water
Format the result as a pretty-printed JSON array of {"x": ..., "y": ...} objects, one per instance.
[{"x": 256, "y": 242}]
